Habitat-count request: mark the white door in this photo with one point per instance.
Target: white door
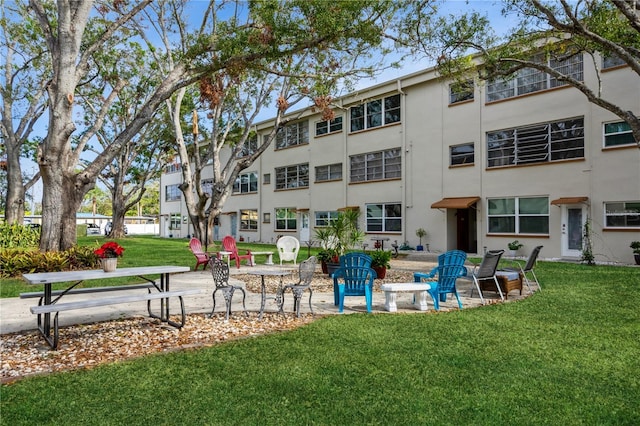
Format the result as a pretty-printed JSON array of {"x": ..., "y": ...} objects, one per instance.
[
  {"x": 304, "y": 227},
  {"x": 573, "y": 221}
]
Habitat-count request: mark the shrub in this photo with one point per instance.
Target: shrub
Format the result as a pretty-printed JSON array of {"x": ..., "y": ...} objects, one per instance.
[{"x": 16, "y": 235}]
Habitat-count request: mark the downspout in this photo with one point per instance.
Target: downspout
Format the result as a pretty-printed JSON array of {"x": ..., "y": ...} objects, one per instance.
[{"x": 406, "y": 151}]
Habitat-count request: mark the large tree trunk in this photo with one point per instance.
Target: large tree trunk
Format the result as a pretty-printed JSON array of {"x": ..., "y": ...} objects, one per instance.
[{"x": 14, "y": 210}]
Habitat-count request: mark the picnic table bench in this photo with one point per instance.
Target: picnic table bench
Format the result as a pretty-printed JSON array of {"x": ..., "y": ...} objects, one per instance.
[{"x": 48, "y": 305}]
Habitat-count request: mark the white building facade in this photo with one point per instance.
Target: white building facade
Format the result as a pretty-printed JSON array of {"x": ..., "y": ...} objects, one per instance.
[{"x": 476, "y": 165}]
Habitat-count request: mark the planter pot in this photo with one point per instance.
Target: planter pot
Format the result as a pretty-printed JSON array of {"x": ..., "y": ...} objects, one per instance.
[
  {"x": 637, "y": 258},
  {"x": 109, "y": 264},
  {"x": 513, "y": 253},
  {"x": 332, "y": 267},
  {"x": 419, "y": 248},
  {"x": 381, "y": 271}
]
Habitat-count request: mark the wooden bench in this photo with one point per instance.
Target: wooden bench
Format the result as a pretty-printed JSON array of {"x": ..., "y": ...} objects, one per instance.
[
  {"x": 419, "y": 295},
  {"x": 92, "y": 303}
]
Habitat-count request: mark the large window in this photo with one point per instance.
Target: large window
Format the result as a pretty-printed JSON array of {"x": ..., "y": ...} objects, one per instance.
[
  {"x": 292, "y": 135},
  {"x": 376, "y": 165},
  {"x": 529, "y": 80},
  {"x": 325, "y": 218},
  {"x": 292, "y": 177},
  {"x": 172, "y": 193},
  {"x": 624, "y": 214},
  {"x": 248, "y": 220},
  {"x": 246, "y": 183},
  {"x": 518, "y": 215},
  {"x": 461, "y": 154},
  {"x": 375, "y": 113},
  {"x": 384, "y": 217},
  {"x": 328, "y": 126},
  {"x": 539, "y": 143},
  {"x": 286, "y": 219},
  {"x": 619, "y": 133},
  {"x": 329, "y": 172},
  {"x": 174, "y": 221},
  {"x": 611, "y": 61},
  {"x": 250, "y": 146},
  {"x": 460, "y": 91}
]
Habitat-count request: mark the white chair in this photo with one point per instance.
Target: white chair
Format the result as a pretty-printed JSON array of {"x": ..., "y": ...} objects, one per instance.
[{"x": 288, "y": 248}]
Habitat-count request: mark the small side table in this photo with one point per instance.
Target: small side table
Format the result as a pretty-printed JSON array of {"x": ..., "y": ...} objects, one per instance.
[{"x": 419, "y": 291}]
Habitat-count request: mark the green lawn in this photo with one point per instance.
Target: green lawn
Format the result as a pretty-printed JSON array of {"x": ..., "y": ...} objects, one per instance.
[{"x": 568, "y": 355}]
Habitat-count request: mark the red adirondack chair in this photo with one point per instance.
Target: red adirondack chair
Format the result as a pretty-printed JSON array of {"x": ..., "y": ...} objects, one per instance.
[
  {"x": 229, "y": 244},
  {"x": 202, "y": 258}
]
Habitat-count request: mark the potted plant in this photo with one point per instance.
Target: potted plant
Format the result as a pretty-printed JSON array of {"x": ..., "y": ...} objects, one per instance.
[
  {"x": 380, "y": 262},
  {"x": 514, "y": 246},
  {"x": 635, "y": 245},
  {"x": 420, "y": 233},
  {"x": 341, "y": 234},
  {"x": 108, "y": 254}
]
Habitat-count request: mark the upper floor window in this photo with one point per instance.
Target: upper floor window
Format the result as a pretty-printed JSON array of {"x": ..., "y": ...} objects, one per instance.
[
  {"x": 375, "y": 113},
  {"x": 328, "y": 126},
  {"x": 324, "y": 218},
  {"x": 286, "y": 219},
  {"x": 248, "y": 220},
  {"x": 172, "y": 193},
  {"x": 625, "y": 214},
  {"x": 172, "y": 168},
  {"x": 461, "y": 154},
  {"x": 618, "y": 133},
  {"x": 250, "y": 146},
  {"x": 292, "y": 176},
  {"x": 246, "y": 183},
  {"x": 293, "y": 134},
  {"x": 384, "y": 217},
  {"x": 329, "y": 172},
  {"x": 376, "y": 165},
  {"x": 460, "y": 91},
  {"x": 518, "y": 215},
  {"x": 611, "y": 61},
  {"x": 529, "y": 80},
  {"x": 207, "y": 186},
  {"x": 539, "y": 143},
  {"x": 266, "y": 178}
]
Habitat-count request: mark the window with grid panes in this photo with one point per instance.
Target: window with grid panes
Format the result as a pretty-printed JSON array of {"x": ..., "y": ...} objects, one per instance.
[
  {"x": 324, "y": 218},
  {"x": 246, "y": 183},
  {"x": 248, "y": 220},
  {"x": 329, "y": 172},
  {"x": 384, "y": 217},
  {"x": 375, "y": 113},
  {"x": 328, "y": 126},
  {"x": 286, "y": 219},
  {"x": 618, "y": 133},
  {"x": 622, "y": 214},
  {"x": 293, "y": 134},
  {"x": 379, "y": 165},
  {"x": 462, "y": 154},
  {"x": 518, "y": 215},
  {"x": 172, "y": 193},
  {"x": 291, "y": 177}
]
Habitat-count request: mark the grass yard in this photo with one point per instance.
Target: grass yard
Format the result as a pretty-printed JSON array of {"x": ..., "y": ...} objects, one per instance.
[{"x": 568, "y": 355}]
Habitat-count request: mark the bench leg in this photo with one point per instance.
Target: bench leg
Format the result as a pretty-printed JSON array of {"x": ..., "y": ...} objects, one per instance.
[
  {"x": 269, "y": 260},
  {"x": 420, "y": 300},
  {"x": 390, "y": 301}
]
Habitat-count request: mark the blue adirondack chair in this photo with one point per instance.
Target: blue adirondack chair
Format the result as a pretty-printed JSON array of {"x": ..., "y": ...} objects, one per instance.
[
  {"x": 354, "y": 278},
  {"x": 450, "y": 268}
]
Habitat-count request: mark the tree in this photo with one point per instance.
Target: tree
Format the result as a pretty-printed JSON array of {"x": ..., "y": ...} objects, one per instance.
[
  {"x": 551, "y": 30},
  {"x": 271, "y": 33}
]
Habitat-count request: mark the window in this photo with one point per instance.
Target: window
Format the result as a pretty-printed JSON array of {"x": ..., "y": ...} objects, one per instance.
[
  {"x": 325, "y": 218},
  {"x": 461, "y": 154},
  {"x": 292, "y": 135},
  {"x": 292, "y": 177},
  {"x": 250, "y": 146},
  {"x": 266, "y": 217},
  {"x": 611, "y": 61},
  {"x": 330, "y": 172},
  {"x": 172, "y": 168},
  {"x": 529, "y": 80},
  {"x": 248, "y": 220},
  {"x": 376, "y": 165},
  {"x": 519, "y": 215},
  {"x": 246, "y": 183},
  {"x": 375, "y": 113},
  {"x": 460, "y": 91},
  {"x": 286, "y": 219},
  {"x": 172, "y": 193},
  {"x": 384, "y": 217},
  {"x": 328, "y": 126},
  {"x": 175, "y": 221},
  {"x": 539, "y": 143},
  {"x": 207, "y": 186},
  {"x": 266, "y": 178},
  {"x": 624, "y": 214},
  {"x": 618, "y": 133}
]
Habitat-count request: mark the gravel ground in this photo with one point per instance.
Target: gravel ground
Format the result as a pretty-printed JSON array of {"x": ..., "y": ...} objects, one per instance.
[{"x": 88, "y": 345}]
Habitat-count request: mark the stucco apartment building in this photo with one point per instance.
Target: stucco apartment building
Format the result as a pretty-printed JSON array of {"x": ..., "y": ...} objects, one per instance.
[{"x": 477, "y": 165}]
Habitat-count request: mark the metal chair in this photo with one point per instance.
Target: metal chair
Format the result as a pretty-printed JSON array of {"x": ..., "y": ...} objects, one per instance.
[
  {"x": 486, "y": 271},
  {"x": 288, "y": 248},
  {"x": 450, "y": 268},
  {"x": 354, "y": 278},
  {"x": 220, "y": 274},
  {"x": 305, "y": 276},
  {"x": 527, "y": 268}
]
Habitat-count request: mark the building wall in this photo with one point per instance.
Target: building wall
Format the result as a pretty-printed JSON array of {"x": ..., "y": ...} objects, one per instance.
[{"x": 430, "y": 125}]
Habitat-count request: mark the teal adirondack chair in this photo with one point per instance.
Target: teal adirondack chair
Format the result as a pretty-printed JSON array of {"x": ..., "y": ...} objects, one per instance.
[
  {"x": 354, "y": 278},
  {"x": 450, "y": 268}
]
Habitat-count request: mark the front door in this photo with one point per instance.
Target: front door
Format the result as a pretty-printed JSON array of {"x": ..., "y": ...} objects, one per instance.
[
  {"x": 573, "y": 221},
  {"x": 304, "y": 227}
]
